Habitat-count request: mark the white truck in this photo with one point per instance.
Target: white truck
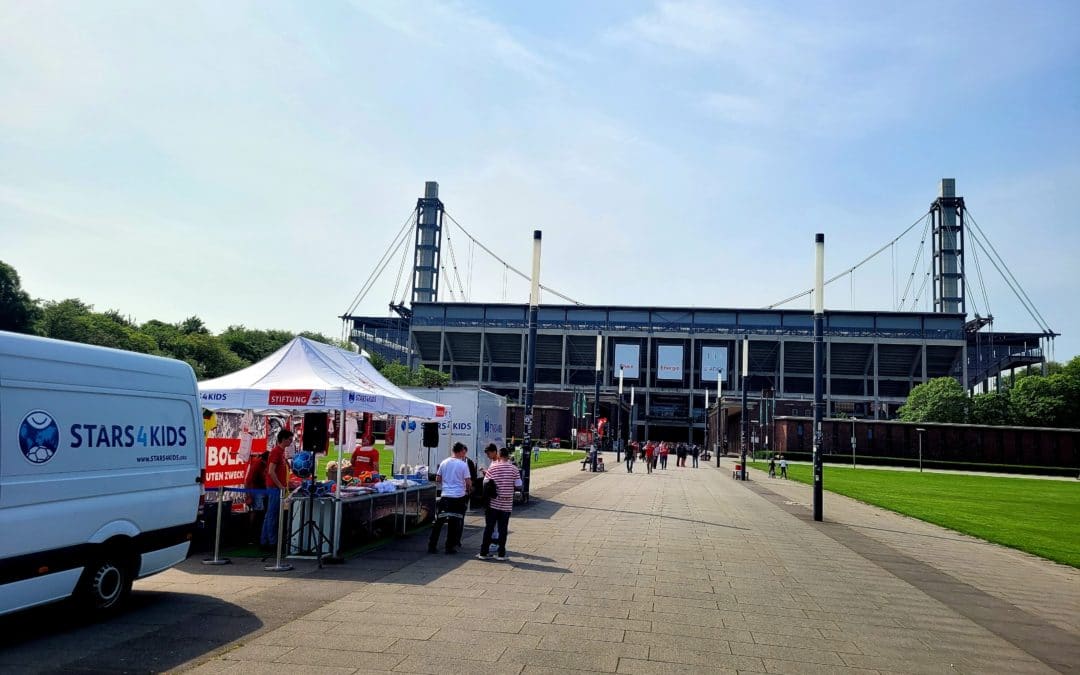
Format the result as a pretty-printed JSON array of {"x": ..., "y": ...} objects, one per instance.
[
  {"x": 101, "y": 460},
  {"x": 477, "y": 417}
]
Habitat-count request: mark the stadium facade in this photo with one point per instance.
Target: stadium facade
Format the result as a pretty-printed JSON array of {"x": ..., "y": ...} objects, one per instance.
[{"x": 670, "y": 356}]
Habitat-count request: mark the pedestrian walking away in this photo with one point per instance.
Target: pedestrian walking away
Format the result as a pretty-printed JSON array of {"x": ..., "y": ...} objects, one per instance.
[
  {"x": 501, "y": 478},
  {"x": 772, "y": 466},
  {"x": 695, "y": 452},
  {"x": 783, "y": 467},
  {"x": 650, "y": 457},
  {"x": 453, "y": 477},
  {"x": 631, "y": 454}
]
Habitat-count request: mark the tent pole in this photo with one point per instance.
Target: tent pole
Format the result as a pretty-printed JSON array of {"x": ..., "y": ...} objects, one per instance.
[{"x": 336, "y": 554}]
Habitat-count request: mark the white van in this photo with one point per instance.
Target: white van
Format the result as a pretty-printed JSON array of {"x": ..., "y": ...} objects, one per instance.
[{"x": 101, "y": 459}]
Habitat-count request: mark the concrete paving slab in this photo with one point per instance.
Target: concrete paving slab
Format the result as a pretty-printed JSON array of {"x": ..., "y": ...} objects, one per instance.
[{"x": 683, "y": 571}]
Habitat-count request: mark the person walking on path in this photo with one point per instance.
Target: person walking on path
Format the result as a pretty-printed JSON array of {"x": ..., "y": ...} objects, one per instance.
[
  {"x": 277, "y": 476},
  {"x": 497, "y": 515},
  {"x": 663, "y": 455},
  {"x": 650, "y": 454},
  {"x": 695, "y": 452},
  {"x": 772, "y": 466},
  {"x": 491, "y": 451},
  {"x": 783, "y": 467},
  {"x": 453, "y": 476},
  {"x": 631, "y": 455}
]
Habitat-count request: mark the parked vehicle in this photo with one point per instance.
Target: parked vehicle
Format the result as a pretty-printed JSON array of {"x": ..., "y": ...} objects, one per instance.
[{"x": 101, "y": 460}]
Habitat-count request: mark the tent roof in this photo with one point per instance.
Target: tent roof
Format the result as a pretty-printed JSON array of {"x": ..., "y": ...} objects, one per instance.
[{"x": 309, "y": 375}]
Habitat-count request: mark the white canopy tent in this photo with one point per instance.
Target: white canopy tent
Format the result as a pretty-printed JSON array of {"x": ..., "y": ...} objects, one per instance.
[
  {"x": 309, "y": 376},
  {"x": 305, "y": 375}
]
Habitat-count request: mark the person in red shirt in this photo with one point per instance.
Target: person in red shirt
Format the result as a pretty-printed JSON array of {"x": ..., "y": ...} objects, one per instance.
[
  {"x": 255, "y": 479},
  {"x": 277, "y": 473},
  {"x": 650, "y": 451},
  {"x": 365, "y": 457}
]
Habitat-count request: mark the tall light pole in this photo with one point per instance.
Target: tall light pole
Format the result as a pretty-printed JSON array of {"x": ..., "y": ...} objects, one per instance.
[
  {"x": 706, "y": 418},
  {"x": 596, "y": 400},
  {"x": 745, "y": 414},
  {"x": 819, "y": 366},
  {"x": 719, "y": 421},
  {"x": 633, "y": 417},
  {"x": 530, "y": 369},
  {"x": 618, "y": 420}
]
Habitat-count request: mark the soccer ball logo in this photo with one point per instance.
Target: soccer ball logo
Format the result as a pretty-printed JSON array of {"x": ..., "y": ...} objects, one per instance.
[
  {"x": 303, "y": 465},
  {"x": 39, "y": 436}
]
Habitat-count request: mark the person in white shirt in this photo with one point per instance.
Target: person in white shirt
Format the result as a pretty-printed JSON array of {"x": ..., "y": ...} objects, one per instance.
[{"x": 453, "y": 477}]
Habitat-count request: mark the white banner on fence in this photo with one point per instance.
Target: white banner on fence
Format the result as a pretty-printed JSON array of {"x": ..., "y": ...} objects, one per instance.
[
  {"x": 627, "y": 357},
  {"x": 713, "y": 361},
  {"x": 669, "y": 362}
]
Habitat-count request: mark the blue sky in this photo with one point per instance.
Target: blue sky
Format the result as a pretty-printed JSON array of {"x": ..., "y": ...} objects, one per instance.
[{"x": 248, "y": 162}]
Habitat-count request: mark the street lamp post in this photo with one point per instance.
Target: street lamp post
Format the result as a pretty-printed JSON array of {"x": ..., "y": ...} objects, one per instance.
[
  {"x": 819, "y": 367},
  {"x": 618, "y": 420},
  {"x": 706, "y": 419},
  {"x": 596, "y": 401},
  {"x": 745, "y": 416},
  {"x": 719, "y": 421},
  {"x": 530, "y": 370}
]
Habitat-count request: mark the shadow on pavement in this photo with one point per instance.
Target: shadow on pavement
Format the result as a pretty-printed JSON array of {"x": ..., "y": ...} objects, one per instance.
[{"x": 157, "y": 632}]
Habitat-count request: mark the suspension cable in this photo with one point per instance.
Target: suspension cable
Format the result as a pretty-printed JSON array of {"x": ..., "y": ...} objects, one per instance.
[
  {"x": 982, "y": 282},
  {"x": 453, "y": 264},
  {"x": 853, "y": 267},
  {"x": 915, "y": 266},
  {"x": 1030, "y": 310},
  {"x": 446, "y": 282},
  {"x": 398, "y": 240},
  {"x": 1033, "y": 309},
  {"x": 401, "y": 270},
  {"x": 508, "y": 265},
  {"x": 408, "y": 289}
]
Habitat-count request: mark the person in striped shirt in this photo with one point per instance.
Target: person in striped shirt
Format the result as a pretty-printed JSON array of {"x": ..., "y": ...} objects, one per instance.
[{"x": 506, "y": 477}]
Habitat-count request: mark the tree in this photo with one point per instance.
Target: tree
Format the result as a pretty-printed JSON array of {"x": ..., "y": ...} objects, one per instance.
[
  {"x": 993, "y": 407},
  {"x": 1052, "y": 401},
  {"x": 193, "y": 324},
  {"x": 399, "y": 374},
  {"x": 63, "y": 320},
  {"x": 319, "y": 337},
  {"x": 18, "y": 313},
  {"x": 431, "y": 378},
  {"x": 254, "y": 345},
  {"x": 941, "y": 399}
]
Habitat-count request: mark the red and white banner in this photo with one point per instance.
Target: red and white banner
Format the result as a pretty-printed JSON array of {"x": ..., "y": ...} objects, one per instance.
[
  {"x": 224, "y": 468},
  {"x": 296, "y": 397}
]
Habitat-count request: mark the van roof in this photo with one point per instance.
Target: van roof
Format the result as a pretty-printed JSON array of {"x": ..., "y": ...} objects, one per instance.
[{"x": 48, "y": 360}]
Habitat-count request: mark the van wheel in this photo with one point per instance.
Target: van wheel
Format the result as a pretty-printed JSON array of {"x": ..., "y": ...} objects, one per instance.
[{"x": 106, "y": 583}]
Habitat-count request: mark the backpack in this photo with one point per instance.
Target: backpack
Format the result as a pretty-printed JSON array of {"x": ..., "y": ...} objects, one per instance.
[{"x": 491, "y": 489}]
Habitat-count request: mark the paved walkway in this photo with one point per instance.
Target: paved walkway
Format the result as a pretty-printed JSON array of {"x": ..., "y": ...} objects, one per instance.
[{"x": 681, "y": 571}]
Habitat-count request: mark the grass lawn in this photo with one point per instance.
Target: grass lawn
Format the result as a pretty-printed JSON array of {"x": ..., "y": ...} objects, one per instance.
[
  {"x": 553, "y": 457},
  {"x": 386, "y": 459},
  {"x": 1041, "y": 517}
]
